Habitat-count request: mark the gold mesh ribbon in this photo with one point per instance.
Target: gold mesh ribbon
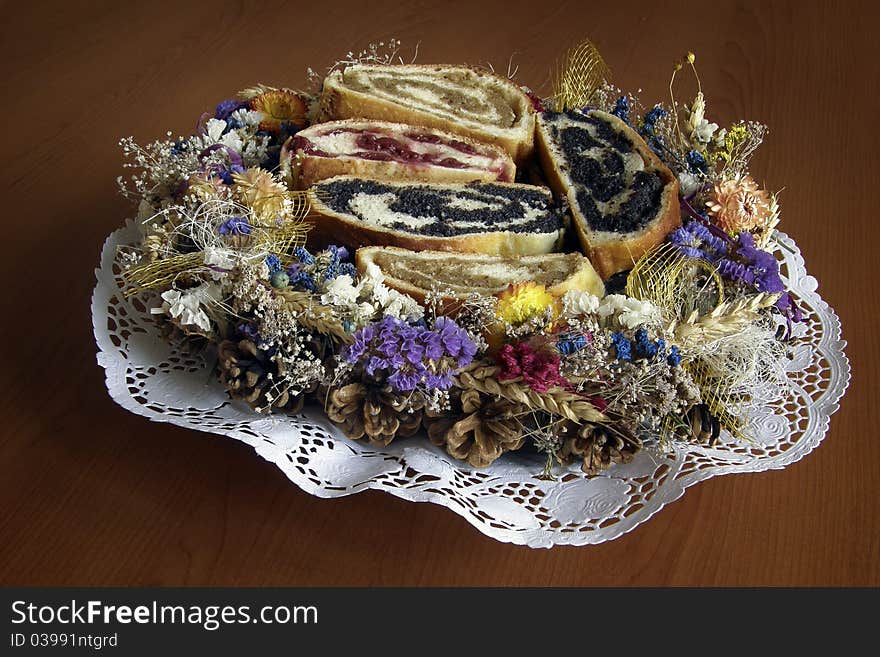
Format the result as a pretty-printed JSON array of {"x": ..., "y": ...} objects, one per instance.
[{"x": 581, "y": 74}]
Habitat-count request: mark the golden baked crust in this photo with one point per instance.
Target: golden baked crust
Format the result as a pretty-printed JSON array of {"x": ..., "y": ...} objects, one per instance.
[
  {"x": 608, "y": 252},
  {"x": 338, "y": 101}
]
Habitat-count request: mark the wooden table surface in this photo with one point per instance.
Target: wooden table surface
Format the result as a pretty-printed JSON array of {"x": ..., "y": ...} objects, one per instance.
[{"x": 91, "y": 494}]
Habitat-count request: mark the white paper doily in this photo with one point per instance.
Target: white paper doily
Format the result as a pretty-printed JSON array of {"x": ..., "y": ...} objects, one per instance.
[{"x": 165, "y": 383}]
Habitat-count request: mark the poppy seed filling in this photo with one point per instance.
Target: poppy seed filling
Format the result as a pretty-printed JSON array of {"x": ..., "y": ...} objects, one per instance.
[
  {"x": 614, "y": 190},
  {"x": 443, "y": 212}
]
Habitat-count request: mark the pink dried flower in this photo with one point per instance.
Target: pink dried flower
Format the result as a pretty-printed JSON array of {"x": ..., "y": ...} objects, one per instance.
[{"x": 538, "y": 369}]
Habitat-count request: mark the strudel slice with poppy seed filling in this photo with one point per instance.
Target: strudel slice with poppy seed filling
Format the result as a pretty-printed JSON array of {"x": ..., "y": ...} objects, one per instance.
[
  {"x": 460, "y": 99},
  {"x": 383, "y": 150},
  {"x": 490, "y": 218},
  {"x": 624, "y": 200}
]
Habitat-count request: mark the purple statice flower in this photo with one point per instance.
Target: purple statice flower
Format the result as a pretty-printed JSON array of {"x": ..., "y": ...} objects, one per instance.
[
  {"x": 408, "y": 356},
  {"x": 235, "y": 226},
  {"x": 455, "y": 341},
  {"x": 695, "y": 240},
  {"x": 227, "y": 108},
  {"x": 759, "y": 268},
  {"x": 222, "y": 171},
  {"x": 405, "y": 381},
  {"x": 753, "y": 266}
]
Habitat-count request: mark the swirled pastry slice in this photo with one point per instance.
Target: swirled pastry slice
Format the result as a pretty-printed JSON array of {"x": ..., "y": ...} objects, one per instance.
[
  {"x": 460, "y": 99},
  {"x": 458, "y": 275},
  {"x": 623, "y": 199},
  {"x": 490, "y": 218},
  {"x": 383, "y": 150}
]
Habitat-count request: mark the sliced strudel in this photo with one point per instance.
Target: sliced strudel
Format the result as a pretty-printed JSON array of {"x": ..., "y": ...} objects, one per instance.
[
  {"x": 382, "y": 150},
  {"x": 623, "y": 199},
  {"x": 460, "y": 99},
  {"x": 490, "y": 218},
  {"x": 458, "y": 275}
]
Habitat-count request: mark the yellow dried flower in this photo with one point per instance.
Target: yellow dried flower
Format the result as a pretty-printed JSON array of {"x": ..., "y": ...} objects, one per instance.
[
  {"x": 523, "y": 301},
  {"x": 261, "y": 192},
  {"x": 279, "y": 106},
  {"x": 739, "y": 205}
]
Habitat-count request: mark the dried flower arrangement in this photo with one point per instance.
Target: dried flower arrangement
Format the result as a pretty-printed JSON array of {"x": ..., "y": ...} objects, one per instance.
[{"x": 692, "y": 340}]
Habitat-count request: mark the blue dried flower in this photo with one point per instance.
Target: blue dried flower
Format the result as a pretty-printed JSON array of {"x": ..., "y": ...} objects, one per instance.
[
  {"x": 621, "y": 109},
  {"x": 338, "y": 252},
  {"x": 674, "y": 357},
  {"x": 273, "y": 262},
  {"x": 696, "y": 162},
  {"x": 332, "y": 270},
  {"x": 651, "y": 117},
  {"x": 301, "y": 254},
  {"x": 622, "y": 345},
  {"x": 303, "y": 280},
  {"x": 179, "y": 147},
  {"x": 248, "y": 330},
  {"x": 570, "y": 343},
  {"x": 348, "y": 269}
]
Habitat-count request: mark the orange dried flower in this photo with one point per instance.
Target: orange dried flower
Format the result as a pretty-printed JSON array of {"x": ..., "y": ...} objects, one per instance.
[{"x": 739, "y": 205}]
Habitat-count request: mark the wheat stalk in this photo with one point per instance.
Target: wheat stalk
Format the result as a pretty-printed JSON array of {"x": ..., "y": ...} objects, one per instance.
[
  {"x": 556, "y": 401},
  {"x": 312, "y": 315},
  {"x": 725, "y": 319}
]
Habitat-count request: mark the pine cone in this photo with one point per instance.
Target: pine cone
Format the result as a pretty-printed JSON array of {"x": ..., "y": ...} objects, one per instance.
[
  {"x": 483, "y": 430},
  {"x": 598, "y": 446},
  {"x": 704, "y": 427},
  {"x": 375, "y": 411},
  {"x": 253, "y": 376}
]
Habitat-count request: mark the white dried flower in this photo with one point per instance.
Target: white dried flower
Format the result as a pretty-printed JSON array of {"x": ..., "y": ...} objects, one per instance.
[
  {"x": 577, "y": 302},
  {"x": 186, "y": 307},
  {"x": 700, "y": 130},
  {"x": 628, "y": 311},
  {"x": 396, "y": 304},
  {"x": 689, "y": 183},
  {"x": 214, "y": 129},
  {"x": 389, "y": 300},
  {"x": 703, "y": 132},
  {"x": 219, "y": 259},
  {"x": 340, "y": 291}
]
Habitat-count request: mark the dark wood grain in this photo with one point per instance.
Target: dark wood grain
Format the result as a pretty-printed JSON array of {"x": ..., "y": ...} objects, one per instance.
[{"x": 90, "y": 494}]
